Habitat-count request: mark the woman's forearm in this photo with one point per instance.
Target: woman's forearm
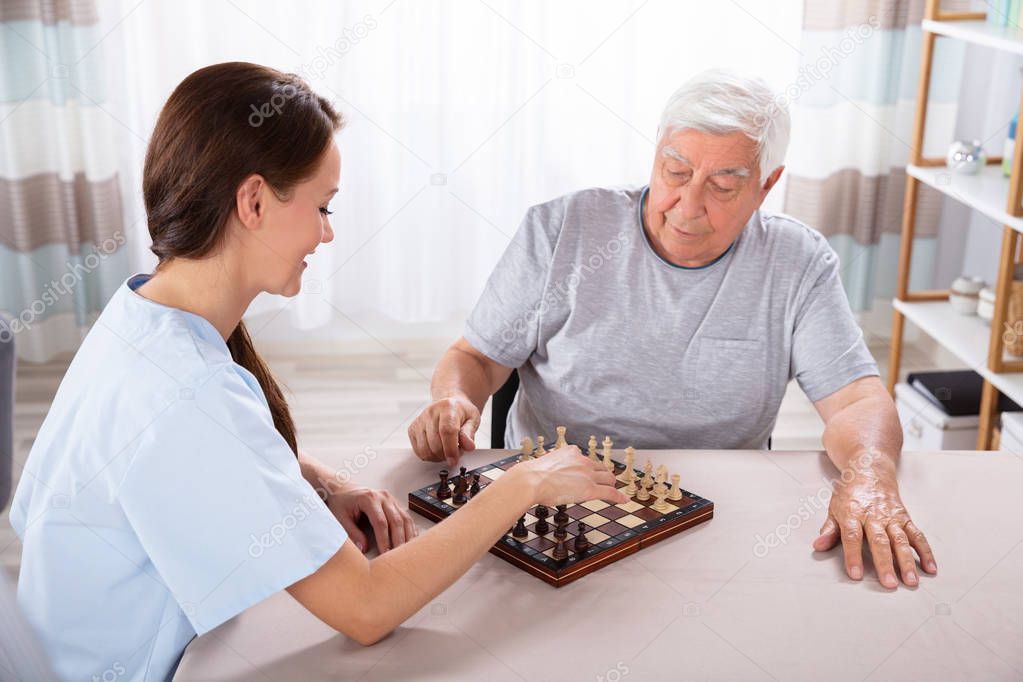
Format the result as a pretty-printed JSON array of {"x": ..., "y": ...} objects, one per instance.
[
  {"x": 406, "y": 578},
  {"x": 368, "y": 599}
]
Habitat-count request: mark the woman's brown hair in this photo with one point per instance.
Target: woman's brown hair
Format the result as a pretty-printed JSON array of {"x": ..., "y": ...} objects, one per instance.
[{"x": 222, "y": 124}]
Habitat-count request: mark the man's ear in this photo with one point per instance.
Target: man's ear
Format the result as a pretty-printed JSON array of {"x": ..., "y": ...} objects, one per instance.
[
  {"x": 772, "y": 179},
  {"x": 250, "y": 201}
]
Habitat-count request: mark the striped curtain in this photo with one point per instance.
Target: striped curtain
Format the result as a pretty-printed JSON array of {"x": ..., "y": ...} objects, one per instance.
[
  {"x": 61, "y": 226},
  {"x": 853, "y": 105}
]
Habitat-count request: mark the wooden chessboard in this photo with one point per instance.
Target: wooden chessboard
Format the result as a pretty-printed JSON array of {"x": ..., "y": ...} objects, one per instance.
[{"x": 614, "y": 531}]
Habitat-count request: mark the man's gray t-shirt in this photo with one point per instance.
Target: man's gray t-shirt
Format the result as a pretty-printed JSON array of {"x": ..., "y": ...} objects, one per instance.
[{"x": 610, "y": 339}]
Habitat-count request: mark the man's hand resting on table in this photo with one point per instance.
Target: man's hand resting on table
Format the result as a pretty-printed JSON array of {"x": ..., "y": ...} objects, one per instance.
[{"x": 865, "y": 505}]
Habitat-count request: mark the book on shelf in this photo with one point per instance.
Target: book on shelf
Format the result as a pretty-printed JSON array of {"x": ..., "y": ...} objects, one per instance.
[{"x": 956, "y": 393}]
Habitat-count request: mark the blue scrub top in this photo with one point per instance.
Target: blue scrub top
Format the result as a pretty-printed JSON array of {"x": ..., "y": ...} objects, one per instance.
[{"x": 158, "y": 500}]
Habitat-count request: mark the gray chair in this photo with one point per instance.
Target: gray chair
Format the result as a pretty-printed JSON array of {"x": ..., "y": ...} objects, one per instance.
[{"x": 6, "y": 410}]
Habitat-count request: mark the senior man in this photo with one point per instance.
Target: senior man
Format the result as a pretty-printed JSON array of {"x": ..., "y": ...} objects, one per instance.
[{"x": 674, "y": 315}]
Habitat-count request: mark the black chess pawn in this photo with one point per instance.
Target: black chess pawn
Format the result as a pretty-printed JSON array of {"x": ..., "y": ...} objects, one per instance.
[
  {"x": 520, "y": 529},
  {"x": 560, "y": 551},
  {"x": 582, "y": 543},
  {"x": 475, "y": 487},
  {"x": 461, "y": 472},
  {"x": 460, "y": 487},
  {"x": 561, "y": 516},
  {"x": 542, "y": 527},
  {"x": 443, "y": 490}
]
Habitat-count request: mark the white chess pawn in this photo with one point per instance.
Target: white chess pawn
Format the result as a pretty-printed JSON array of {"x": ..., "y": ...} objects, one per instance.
[
  {"x": 527, "y": 449},
  {"x": 591, "y": 448},
  {"x": 661, "y": 505},
  {"x": 630, "y": 463},
  {"x": 608, "y": 464},
  {"x": 631, "y": 488},
  {"x": 561, "y": 442},
  {"x": 540, "y": 452},
  {"x": 676, "y": 491},
  {"x": 643, "y": 492}
]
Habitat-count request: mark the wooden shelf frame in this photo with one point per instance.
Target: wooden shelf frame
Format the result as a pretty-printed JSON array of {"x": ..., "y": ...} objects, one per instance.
[{"x": 1011, "y": 253}]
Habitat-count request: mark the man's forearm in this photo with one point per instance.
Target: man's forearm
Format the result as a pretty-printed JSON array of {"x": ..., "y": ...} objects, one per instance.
[
  {"x": 460, "y": 374},
  {"x": 865, "y": 435}
]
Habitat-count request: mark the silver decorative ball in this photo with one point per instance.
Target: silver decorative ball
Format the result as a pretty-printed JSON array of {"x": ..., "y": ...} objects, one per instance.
[{"x": 966, "y": 157}]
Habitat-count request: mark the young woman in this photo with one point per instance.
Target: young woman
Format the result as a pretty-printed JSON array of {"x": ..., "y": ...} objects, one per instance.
[{"x": 165, "y": 493}]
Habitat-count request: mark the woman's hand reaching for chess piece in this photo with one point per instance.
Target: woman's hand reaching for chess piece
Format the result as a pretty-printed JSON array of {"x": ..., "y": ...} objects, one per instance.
[
  {"x": 366, "y": 599},
  {"x": 565, "y": 476}
]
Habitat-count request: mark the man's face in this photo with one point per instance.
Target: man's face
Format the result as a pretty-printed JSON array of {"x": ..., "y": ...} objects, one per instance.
[{"x": 703, "y": 190}]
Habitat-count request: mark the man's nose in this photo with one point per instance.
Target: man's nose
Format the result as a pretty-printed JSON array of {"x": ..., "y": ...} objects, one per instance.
[{"x": 690, "y": 204}]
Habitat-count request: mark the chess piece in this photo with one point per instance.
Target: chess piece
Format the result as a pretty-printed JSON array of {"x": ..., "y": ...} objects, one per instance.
[
  {"x": 527, "y": 449},
  {"x": 659, "y": 482},
  {"x": 582, "y": 543},
  {"x": 676, "y": 491},
  {"x": 591, "y": 448},
  {"x": 520, "y": 531},
  {"x": 458, "y": 498},
  {"x": 661, "y": 504},
  {"x": 648, "y": 469},
  {"x": 475, "y": 487},
  {"x": 630, "y": 464},
  {"x": 461, "y": 472},
  {"x": 443, "y": 489},
  {"x": 561, "y": 442},
  {"x": 561, "y": 516},
  {"x": 608, "y": 464},
  {"x": 643, "y": 493},
  {"x": 631, "y": 488},
  {"x": 540, "y": 452},
  {"x": 560, "y": 530},
  {"x": 542, "y": 527},
  {"x": 560, "y": 551}
]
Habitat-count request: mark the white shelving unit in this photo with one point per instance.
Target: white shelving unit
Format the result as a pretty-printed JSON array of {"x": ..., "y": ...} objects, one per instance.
[
  {"x": 1008, "y": 39},
  {"x": 972, "y": 341},
  {"x": 965, "y": 336},
  {"x": 987, "y": 192}
]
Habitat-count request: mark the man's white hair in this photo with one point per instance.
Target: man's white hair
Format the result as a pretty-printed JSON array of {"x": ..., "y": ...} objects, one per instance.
[{"x": 720, "y": 102}]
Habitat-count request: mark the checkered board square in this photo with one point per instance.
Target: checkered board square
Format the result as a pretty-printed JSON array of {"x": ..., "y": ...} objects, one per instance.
[{"x": 614, "y": 531}]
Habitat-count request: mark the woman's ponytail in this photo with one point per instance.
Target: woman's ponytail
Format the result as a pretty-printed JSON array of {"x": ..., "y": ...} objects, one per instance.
[{"x": 244, "y": 353}]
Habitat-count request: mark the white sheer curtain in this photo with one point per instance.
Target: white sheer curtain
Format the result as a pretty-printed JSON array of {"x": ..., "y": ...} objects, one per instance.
[{"x": 460, "y": 116}]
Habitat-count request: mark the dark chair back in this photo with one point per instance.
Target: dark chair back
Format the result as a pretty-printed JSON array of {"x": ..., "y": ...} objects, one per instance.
[{"x": 499, "y": 407}]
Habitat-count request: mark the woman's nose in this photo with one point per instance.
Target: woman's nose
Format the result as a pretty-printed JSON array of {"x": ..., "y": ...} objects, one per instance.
[{"x": 328, "y": 233}]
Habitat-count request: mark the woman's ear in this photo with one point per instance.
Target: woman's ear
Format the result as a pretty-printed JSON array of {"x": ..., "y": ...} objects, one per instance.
[{"x": 249, "y": 201}]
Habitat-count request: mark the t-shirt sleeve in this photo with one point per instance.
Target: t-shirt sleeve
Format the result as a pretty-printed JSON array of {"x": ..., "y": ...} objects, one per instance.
[
  {"x": 505, "y": 323},
  {"x": 218, "y": 502},
  {"x": 828, "y": 350}
]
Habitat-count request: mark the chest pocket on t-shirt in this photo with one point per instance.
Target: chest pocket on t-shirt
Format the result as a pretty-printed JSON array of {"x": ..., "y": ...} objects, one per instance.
[{"x": 729, "y": 376}]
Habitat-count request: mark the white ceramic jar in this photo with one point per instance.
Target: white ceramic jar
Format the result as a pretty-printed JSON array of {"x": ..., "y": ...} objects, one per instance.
[
  {"x": 964, "y": 294},
  {"x": 986, "y": 304}
]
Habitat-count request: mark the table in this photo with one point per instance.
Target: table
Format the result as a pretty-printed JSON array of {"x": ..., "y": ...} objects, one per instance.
[{"x": 741, "y": 597}]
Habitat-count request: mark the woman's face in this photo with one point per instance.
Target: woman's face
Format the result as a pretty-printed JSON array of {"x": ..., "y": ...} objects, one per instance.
[{"x": 291, "y": 230}]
